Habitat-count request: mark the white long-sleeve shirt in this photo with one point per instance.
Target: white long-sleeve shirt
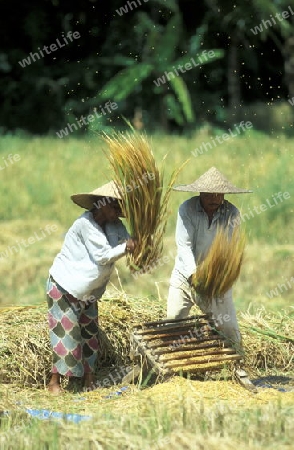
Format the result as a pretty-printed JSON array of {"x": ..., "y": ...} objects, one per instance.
[
  {"x": 86, "y": 260},
  {"x": 194, "y": 235}
]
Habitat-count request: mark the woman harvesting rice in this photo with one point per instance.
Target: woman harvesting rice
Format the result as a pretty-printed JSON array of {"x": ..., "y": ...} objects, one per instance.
[
  {"x": 199, "y": 220},
  {"x": 78, "y": 278}
]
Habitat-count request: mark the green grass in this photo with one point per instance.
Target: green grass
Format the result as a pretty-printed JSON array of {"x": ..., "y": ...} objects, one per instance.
[{"x": 50, "y": 170}]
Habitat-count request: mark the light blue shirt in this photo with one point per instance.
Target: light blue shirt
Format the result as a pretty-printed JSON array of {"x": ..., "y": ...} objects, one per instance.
[
  {"x": 86, "y": 260},
  {"x": 194, "y": 235}
]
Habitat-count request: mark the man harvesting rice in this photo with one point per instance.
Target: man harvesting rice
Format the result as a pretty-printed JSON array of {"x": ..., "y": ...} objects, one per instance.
[
  {"x": 199, "y": 221},
  {"x": 78, "y": 278}
]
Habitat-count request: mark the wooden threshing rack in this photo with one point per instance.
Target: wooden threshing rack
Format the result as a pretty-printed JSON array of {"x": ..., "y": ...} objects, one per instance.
[{"x": 192, "y": 346}]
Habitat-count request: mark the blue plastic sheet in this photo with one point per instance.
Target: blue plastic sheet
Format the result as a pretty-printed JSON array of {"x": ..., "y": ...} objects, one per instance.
[
  {"x": 279, "y": 383},
  {"x": 45, "y": 414},
  {"x": 116, "y": 393}
]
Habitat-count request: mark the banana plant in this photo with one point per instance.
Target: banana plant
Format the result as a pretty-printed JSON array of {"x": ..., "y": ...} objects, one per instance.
[{"x": 158, "y": 63}]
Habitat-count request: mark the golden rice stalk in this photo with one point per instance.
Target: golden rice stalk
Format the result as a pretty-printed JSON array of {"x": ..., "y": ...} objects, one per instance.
[
  {"x": 144, "y": 196},
  {"x": 217, "y": 273}
]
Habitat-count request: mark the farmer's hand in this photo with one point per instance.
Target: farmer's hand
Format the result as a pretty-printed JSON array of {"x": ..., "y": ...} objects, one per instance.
[
  {"x": 190, "y": 280},
  {"x": 131, "y": 244}
]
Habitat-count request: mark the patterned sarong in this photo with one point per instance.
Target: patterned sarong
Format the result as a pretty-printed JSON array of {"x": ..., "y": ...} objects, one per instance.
[{"x": 73, "y": 330}]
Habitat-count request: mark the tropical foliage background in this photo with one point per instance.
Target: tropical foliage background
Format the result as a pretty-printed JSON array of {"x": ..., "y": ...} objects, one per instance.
[{"x": 125, "y": 46}]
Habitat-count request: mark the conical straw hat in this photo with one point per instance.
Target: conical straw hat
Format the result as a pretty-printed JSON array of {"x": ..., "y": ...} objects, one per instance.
[
  {"x": 86, "y": 200},
  {"x": 212, "y": 181}
]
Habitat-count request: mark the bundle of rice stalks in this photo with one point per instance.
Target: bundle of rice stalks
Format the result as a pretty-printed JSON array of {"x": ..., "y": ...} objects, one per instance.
[
  {"x": 217, "y": 273},
  {"x": 144, "y": 197}
]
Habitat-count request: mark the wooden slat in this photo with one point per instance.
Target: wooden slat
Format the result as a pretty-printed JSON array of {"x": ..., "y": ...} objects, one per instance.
[
  {"x": 184, "y": 328},
  {"x": 196, "y": 369},
  {"x": 171, "y": 321},
  {"x": 190, "y": 361},
  {"x": 176, "y": 334},
  {"x": 194, "y": 354},
  {"x": 161, "y": 350}
]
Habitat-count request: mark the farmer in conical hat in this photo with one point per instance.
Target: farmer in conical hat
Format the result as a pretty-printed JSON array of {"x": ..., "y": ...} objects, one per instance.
[
  {"x": 78, "y": 278},
  {"x": 198, "y": 221}
]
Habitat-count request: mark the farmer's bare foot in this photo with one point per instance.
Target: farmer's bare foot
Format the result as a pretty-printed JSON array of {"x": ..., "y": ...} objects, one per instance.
[
  {"x": 54, "y": 389},
  {"x": 89, "y": 381},
  {"x": 54, "y": 384}
]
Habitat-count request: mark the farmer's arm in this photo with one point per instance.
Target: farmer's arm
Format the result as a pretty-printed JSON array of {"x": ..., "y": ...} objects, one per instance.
[
  {"x": 99, "y": 247},
  {"x": 116, "y": 233},
  {"x": 234, "y": 218},
  {"x": 185, "y": 230}
]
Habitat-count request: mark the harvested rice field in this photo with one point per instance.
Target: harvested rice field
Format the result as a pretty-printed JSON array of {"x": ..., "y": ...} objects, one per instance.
[
  {"x": 178, "y": 414},
  {"x": 209, "y": 411}
]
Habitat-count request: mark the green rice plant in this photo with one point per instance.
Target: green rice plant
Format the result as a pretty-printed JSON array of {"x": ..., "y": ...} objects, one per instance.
[
  {"x": 144, "y": 197},
  {"x": 217, "y": 273},
  {"x": 44, "y": 198}
]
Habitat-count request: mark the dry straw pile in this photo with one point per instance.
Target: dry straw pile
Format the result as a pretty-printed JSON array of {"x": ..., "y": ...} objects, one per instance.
[
  {"x": 144, "y": 196},
  {"x": 217, "y": 273},
  {"x": 25, "y": 352},
  {"x": 268, "y": 341}
]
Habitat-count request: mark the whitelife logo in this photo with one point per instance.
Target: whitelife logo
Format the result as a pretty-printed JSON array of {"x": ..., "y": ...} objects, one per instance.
[
  {"x": 183, "y": 68},
  {"x": 135, "y": 184},
  {"x": 9, "y": 160},
  {"x": 110, "y": 106},
  {"x": 129, "y": 7},
  {"x": 53, "y": 47},
  {"x": 276, "y": 199},
  {"x": 270, "y": 22},
  {"x": 205, "y": 146},
  {"x": 281, "y": 288},
  {"x": 24, "y": 243}
]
